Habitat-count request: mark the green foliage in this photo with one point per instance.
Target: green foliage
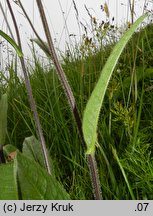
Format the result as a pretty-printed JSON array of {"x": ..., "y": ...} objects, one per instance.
[
  {"x": 9, "y": 152},
  {"x": 26, "y": 171},
  {"x": 12, "y": 42},
  {"x": 125, "y": 125},
  {"x": 32, "y": 149},
  {"x": 124, "y": 116},
  {"x": 92, "y": 111},
  {"x": 124, "y": 174},
  {"x": 3, "y": 118},
  {"x": 8, "y": 182},
  {"x": 43, "y": 45},
  {"x": 139, "y": 165},
  {"x": 35, "y": 183}
]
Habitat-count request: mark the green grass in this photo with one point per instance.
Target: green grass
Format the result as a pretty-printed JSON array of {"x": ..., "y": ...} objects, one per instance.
[{"x": 125, "y": 122}]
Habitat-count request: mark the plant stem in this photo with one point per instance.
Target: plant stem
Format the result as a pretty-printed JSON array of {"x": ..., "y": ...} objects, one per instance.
[
  {"x": 94, "y": 176},
  {"x": 67, "y": 89},
  {"x": 33, "y": 28},
  {"x": 30, "y": 96},
  {"x": 131, "y": 5},
  {"x": 132, "y": 11},
  {"x": 60, "y": 72},
  {"x": 6, "y": 20}
]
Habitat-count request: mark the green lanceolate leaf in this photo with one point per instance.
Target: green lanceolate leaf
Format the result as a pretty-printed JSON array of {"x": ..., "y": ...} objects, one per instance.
[
  {"x": 3, "y": 118},
  {"x": 8, "y": 184},
  {"x": 12, "y": 42},
  {"x": 92, "y": 110},
  {"x": 35, "y": 183}
]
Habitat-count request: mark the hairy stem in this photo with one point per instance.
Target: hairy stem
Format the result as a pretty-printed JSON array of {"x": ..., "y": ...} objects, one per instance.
[
  {"x": 94, "y": 176},
  {"x": 67, "y": 89},
  {"x": 30, "y": 96},
  {"x": 60, "y": 72}
]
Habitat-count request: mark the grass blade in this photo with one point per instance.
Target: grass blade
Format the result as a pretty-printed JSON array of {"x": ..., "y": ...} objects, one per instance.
[
  {"x": 124, "y": 174},
  {"x": 12, "y": 42},
  {"x": 92, "y": 110},
  {"x": 43, "y": 46},
  {"x": 3, "y": 118}
]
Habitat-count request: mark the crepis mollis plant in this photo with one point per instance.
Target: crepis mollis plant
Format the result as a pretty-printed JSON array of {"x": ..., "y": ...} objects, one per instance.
[{"x": 92, "y": 110}]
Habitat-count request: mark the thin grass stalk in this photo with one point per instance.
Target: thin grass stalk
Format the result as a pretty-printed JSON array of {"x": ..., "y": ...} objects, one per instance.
[
  {"x": 137, "y": 123},
  {"x": 77, "y": 17},
  {"x": 67, "y": 89},
  {"x": 6, "y": 20},
  {"x": 65, "y": 22},
  {"x": 123, "y": 173},
  {"x": 32, "y": 26},
  {"x": 131, "y": 5},
  {"x": 9, "y": 28},
  {"x": 132, "y": 11},
  {"x": 30, "y": 96}
]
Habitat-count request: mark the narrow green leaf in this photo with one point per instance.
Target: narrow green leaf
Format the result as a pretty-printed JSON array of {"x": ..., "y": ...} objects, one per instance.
[
  {"x": 35, "y": 183},
  {"x": 3, "y": 118},
  {"x": 123, "y": 173},
  {"x": 32, "y": 149},
  {"x": 92, "y": 110},
  {"x": 43, "y": 45},
  {"x": 12, "y": 42},
  {"x": 8, "y": 184}
]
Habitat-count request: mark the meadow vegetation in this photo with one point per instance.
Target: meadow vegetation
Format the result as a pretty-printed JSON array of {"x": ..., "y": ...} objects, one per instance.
[{"x": 124, "y": 151}]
